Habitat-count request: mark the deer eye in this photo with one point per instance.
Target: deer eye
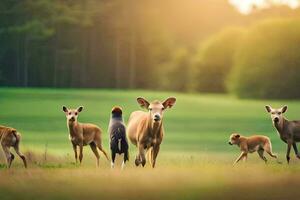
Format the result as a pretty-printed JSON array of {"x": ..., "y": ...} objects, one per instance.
[
  {"x": 279, "y": 113},
  {"x": 163, "y": 108},
  {"x": 150, "y": 109},
  {"x": 76, "y": 113},
  {"x": 70, "y": 113}
]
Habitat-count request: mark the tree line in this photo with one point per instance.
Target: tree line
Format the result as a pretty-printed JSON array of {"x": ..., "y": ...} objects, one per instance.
[{"x": 169, "y": 45}]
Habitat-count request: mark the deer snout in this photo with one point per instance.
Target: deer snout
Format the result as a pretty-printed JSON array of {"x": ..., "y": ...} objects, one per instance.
[
  {"x": 276, "y": 119},
  {"x": 72, "y": 119},
  {"x": 157, "y": 117},
  {"x": 229, "y": 143}
]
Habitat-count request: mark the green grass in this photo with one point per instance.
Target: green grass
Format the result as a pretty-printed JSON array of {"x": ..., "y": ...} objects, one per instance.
[{"x": 195, "y": 159}]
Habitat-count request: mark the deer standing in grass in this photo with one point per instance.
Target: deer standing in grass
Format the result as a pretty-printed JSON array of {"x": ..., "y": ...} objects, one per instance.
[
  {"x": 9, "y": 137},
  {"x": 289, "y": 131},
  {"x": 145, "y": 129},
  {"x": 82, "y": 134}
]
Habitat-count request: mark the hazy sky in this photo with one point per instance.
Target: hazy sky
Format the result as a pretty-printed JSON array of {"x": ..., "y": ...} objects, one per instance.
[{"x": 245, "y": 6}]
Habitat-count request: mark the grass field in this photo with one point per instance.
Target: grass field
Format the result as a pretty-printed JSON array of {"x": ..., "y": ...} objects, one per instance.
[{"x": 195, "y": 159}]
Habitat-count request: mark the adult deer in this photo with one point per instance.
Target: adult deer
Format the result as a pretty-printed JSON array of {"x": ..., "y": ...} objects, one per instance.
[
  {"x": 145, "y": 129},
  {"x": 289, "y": 131}
]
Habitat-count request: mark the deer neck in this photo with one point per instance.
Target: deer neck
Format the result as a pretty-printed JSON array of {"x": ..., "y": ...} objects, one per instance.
[
  {"x": 154, "y": 128},
  {"x": 73, "y": 127},
  {"x": 281, "y": 125}
]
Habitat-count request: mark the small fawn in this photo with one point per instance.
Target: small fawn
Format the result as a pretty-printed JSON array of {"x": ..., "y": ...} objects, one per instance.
[{"x": 82, "y": 134}]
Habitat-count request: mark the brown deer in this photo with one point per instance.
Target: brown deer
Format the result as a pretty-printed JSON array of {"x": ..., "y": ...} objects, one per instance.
[
  {"x": 145, "y": 129},
  {"x": 9, "y": 137},
  {"x": 255, "y": 143},
  {"x": 83, "y": 134}
]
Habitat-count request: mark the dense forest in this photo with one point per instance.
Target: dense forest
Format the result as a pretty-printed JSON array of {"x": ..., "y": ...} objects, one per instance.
[{"x": 169, "y": 45}]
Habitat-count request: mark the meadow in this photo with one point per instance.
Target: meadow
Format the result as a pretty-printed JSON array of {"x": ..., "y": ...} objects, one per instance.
[{"x": 195, "y": 160}]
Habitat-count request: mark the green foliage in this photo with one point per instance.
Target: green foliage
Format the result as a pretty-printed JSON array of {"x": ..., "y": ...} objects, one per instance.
[
  {"x": 176, "y": 73},
  {"x": 215, "y": 59},
  {"x": 121, "y": 44},
  {"x": 267, "y": 61}
]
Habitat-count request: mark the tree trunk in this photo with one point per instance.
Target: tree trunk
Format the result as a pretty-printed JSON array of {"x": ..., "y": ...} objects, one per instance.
[
  {"x": 132, "y": 67},
  {"x": 118, "y": 60},
  {"x": 55, "y": 64},
  {"x": 26, "y": 57}
]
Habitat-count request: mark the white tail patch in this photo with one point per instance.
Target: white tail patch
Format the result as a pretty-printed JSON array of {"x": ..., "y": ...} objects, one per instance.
[{"x": 119, "y": 144}]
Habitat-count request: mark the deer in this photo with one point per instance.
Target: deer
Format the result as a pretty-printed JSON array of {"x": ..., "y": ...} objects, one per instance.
[
  {"x": 10, "y": 137},
  {"x": 145, "y": 129},
  {"x": 82, "y": 134},
  {"x": 254, "y": 143},
  {"x": 289, "y": 131}
]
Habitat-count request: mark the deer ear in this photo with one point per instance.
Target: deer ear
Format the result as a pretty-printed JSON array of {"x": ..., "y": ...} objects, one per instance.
[
  {"x": 169, "y": 102},
  {"x": 65, "y": 109},
  {"x": 268, "y": 108},
  {"x": 143, "y": 102},
  {"x": 13, "y": 130},
  {"x": 284, "y": 109},
  {"x": 80, "y": 108}
]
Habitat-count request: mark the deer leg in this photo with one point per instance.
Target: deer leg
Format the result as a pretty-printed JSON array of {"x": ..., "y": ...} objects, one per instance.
[
  {"x": 150, "y": 155},
  {"x": 245, "y": 158},
  {"x": 296, "y": 150},
  {"x": 80, "y": 152},
  {"x": 154, "y": 153},
  {"x": 113, "y": 157},
  {"x": 126, "y": 157},
  {"x": 75, "y": 152},
  {"x": 9, "y": 156},
  {"x": 288, "y": 152},
  {"x": 140, "y": 159},
  {"x": 261, "y": 155},
  {"x": 99, "y": 145},
  {"x": 94, "y": 149},
  {"x": 21, "y": 155},
  {"x": 240, "y": 157}
]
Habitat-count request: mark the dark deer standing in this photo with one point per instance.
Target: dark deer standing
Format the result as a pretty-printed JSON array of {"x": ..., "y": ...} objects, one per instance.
[{"x": 289, "y": 131}]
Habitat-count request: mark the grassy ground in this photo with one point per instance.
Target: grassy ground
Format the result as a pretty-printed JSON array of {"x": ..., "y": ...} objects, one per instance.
[{"x": 195, "y": 160}]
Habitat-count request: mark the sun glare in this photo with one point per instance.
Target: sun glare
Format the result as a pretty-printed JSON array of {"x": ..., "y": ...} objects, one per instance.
[{"x": 246, "y": 6}]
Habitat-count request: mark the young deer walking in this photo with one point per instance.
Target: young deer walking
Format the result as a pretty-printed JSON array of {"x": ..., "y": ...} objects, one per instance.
[
  {"x": 145, "y": 129},
  {"x": 289, "y": 131},
  {"x": 9, "y": 137},
  {"x": 82, "y": 134}
]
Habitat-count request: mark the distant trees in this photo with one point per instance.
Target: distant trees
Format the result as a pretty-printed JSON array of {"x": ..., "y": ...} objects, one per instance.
[
  {"x": 215, "y": 59},
  {"x": 176, "y": 73},
  {"x": 267, "y": 63},
  {"x": 169, "y": 45},
  {"x": 111, "y": 44}
]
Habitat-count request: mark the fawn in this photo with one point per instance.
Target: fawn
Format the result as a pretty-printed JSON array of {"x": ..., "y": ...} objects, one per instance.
[{"x": 82, "y": 134}]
